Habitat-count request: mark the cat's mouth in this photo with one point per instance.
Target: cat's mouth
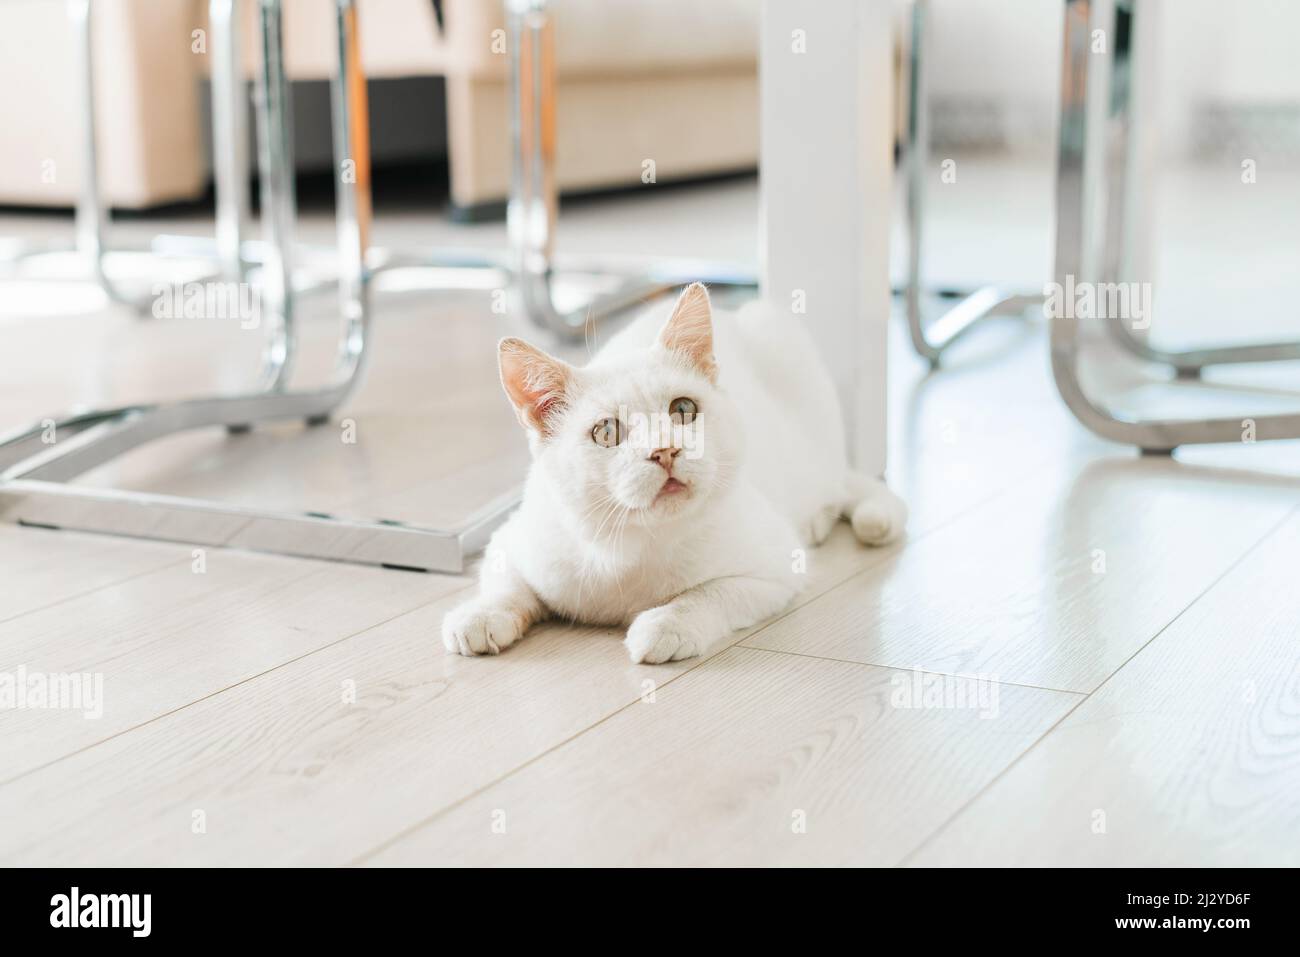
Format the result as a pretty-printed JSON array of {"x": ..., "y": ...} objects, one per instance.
[{"x": 671, "y": 488}]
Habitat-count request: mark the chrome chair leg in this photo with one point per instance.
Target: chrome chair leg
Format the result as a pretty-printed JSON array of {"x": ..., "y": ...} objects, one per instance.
[
  {"x": 528, "y": 267},
  {"x": 34, "y": 474},
  {"x": 531, "y": 211},
  {"x": 230, "y": 147},
  {"x": 91, "y": 213},
  {"x": 275, "y": 170},
  {"x": 1187, "y": 364},
  {"x": 1080, "y": 176},
  {"x": 931, "y": 343}
]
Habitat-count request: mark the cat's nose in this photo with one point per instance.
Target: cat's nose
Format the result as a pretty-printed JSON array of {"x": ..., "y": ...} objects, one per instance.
[{"x": 664, "y": 457}]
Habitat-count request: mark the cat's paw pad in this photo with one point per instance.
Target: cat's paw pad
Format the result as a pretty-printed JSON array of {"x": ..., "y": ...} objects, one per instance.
[
  {"x": 657, "y": 635},
  {"x": 880, "y": 519},
  {"x": 479, "y": 631}
]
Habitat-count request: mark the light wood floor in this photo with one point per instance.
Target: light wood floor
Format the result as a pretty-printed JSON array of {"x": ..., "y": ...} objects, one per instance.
[
  {"x": 1130, "y": 629},
  {"x": 1156, "y": 693}
]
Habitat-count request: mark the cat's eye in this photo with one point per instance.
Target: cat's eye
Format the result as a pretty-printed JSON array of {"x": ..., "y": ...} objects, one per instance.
[
  {"x": 607, "y": 433},
  {"x": 683, "y": 410}
]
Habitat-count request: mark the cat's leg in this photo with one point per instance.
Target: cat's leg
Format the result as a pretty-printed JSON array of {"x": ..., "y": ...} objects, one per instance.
[
  {"x": 699, "y": 617},
  {"x": 877, "y": 515},
  {"x": 494, "y": 619}
]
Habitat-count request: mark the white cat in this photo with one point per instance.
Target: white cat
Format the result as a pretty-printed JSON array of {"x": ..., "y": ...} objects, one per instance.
[{"x": 674, "y": 480}]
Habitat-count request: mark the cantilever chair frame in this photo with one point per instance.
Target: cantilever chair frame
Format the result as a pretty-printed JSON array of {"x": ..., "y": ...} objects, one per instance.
[
  {"x": 92, "y": 218},
  {"x": 931, "y": 340},
  {"x": 533, "y": 204},
  {"x": 34, "y": 474},
  {"x": 529, "y": 267},
  {"x": 1088, "y": 194}
]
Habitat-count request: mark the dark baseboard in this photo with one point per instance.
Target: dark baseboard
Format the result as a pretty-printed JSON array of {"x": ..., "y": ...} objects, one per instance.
[
  {"x": 495, "y": 210},
  {"x": 489, "y": 212}
]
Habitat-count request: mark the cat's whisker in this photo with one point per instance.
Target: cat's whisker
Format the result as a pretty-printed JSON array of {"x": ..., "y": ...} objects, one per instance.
[
  {"x": 604, "y": 508},
  {"x": 611, "y": 513},
  {"x": 593, "y": 509}
]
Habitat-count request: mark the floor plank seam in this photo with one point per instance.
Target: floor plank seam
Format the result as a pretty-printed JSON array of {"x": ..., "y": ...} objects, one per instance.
[
  {"x": 362, "y": 631},
  {"x": 287, "y": 584},
  {"x": 902, "y": 861},
  {"x": 1292, "y": 511},
  {"x": 924, "y": 671},
  {"x": 407, "y": 831},
  {"x": 230, "y": 687},
  {"x": 121, "y": 581},
  {"x": 738, "y": 643},
  {"x": 882, "y": 556}
]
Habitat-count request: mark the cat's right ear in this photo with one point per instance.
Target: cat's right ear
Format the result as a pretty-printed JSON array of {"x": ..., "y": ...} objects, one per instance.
[{"x": 534, "y": 382}]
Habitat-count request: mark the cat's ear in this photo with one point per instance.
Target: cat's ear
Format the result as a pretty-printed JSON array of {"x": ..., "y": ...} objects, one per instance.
[
  {"x": 689, "y": 330},
  {"x": 535, "y": 383}
]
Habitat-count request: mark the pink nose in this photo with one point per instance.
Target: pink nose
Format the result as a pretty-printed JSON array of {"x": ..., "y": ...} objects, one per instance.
[{"x": 664, "y": 457}]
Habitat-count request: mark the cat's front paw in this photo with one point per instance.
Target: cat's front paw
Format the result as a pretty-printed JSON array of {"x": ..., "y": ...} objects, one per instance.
[
  {"x": 658, "y": 635},
  {"x": 473, "y": 630}
]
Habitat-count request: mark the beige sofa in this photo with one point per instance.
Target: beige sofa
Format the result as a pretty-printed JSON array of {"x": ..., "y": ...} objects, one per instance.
[
  {"x": 146, "y": 98},
  {"x": 670, "y": 80}
]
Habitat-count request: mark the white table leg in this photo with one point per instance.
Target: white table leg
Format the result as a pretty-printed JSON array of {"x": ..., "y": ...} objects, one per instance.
[{"x": 826, "y": 171}]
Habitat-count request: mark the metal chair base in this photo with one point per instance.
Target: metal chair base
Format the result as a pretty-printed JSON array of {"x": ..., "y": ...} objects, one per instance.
[
  {"x": 931, "y": 343},
  {"x": 92, "y": 217},
  {"x": 1081, "y": 175},
  {"x": 36, "y": 464},
  {"x": 34, "y": 491},
  {"x": 33, "y": 475},
  {"x": 532, "y": 209},
  {"x": 933, "y": 340}
]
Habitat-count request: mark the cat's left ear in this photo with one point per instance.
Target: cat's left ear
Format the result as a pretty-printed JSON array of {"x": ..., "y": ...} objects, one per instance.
[
  {"x": 535, "y": 383},
  {"x": 689, "y": 330}
]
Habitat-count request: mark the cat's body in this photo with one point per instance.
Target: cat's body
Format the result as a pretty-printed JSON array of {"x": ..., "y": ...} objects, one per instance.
[{"x": 683, "y": 529}]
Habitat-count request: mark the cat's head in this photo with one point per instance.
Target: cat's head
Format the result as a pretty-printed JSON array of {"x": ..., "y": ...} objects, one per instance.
[{"x": 637, "y": 439}]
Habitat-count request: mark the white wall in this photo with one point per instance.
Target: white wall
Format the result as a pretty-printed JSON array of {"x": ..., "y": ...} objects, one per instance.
[
  {"x": 1227, "y": 51},
  {"x": 1241, "y": 53}
]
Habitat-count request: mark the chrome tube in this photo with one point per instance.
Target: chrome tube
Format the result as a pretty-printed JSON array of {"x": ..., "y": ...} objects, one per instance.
[
  {"x": 229, "y": 138},
  {"x": 90, "y": 212},
  {"x": 1119, "y": 175},
  {"x": 531, "y": 211},
  {"x": 275, "y": 168},
  {"x": 1080, "y": 185},
  {"x": 33, "y": 473},
  {"x": 352, "y": 194},
  {"x": 931, "y": 343}
]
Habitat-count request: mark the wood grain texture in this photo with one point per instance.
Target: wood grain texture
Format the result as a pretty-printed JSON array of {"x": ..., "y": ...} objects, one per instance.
[
  {"x": 752, "y": 759},
  {"x": 950, "y": 453},
  {"x": 42, "y": 567},
  {"x": 1055, "y": 584},
  {"x": 230, "y": 693},
  {"x": 163, "y": 640},
  {"x": 277, "y": 760},
  {"x": 1188, "y": 755}
]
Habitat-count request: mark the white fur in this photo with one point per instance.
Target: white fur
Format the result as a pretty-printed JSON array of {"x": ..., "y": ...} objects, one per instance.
[{"x": 764, "y": 463}]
